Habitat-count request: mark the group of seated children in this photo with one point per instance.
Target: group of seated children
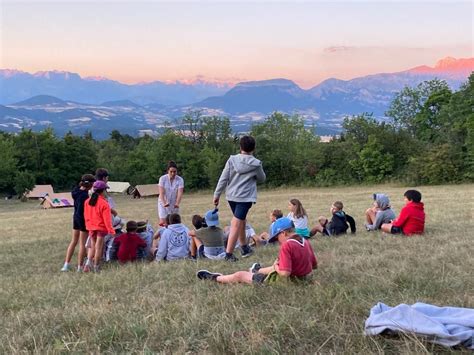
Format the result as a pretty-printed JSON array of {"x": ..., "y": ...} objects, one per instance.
[{"x": 95, "y": 219}]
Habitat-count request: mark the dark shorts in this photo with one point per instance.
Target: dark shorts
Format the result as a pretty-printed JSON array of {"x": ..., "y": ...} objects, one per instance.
[
  {"x": 396, "y": 230},
  {"x": 240, "y": 209},
  {"x": 258, "y": 278},
  {"x": 79, "y": 225}
]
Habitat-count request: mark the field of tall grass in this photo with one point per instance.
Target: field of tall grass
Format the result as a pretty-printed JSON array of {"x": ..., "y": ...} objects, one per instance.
[{"x": 163, "y": 307}]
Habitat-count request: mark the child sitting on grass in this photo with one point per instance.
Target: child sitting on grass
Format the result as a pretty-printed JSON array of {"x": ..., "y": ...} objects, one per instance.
[
  {"x": 338, "y": 224},
  {"x": 412, "y": 216},
  {"x": 296, "y": 260},
  {"x": 380, "y": 213},
  {"x": 174, "y": 240},
  {"x": 128, "y": 244},
  {"x": 145, "y": 232},
  {"x": 262, "y": 238},
  {"x": 208, "y": 237},
  {"x": 299, "y": 217}
]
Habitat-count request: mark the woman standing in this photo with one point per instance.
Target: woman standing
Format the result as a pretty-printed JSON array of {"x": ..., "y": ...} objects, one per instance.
[{"x": 170, "y": 187}]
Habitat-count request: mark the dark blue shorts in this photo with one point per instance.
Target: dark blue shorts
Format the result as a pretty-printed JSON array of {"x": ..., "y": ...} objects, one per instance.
[
  {"x": 240, "y": 209},
  {"x": 396, "y": 230},
  {"x": 79, "y": 224}
]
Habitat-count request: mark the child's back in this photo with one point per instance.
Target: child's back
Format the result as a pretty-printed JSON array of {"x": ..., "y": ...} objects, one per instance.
[
  {"x": 174, "y": 241},
  {"x": 128, "y": 245}
]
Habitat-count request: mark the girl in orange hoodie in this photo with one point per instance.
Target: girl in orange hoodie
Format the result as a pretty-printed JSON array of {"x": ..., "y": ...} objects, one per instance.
[{"x": 98, "y": 222}]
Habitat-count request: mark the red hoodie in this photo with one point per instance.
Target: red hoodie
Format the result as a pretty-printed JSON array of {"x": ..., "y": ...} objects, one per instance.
[
  {"x": 128, "y": 245},
  {"x": 98, "y": 217},
  {"x": 411, "y": 219}
]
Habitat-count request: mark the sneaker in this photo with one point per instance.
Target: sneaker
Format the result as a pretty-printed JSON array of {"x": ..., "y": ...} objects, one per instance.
[
  {"x": 255, "y": 267},
  {"x": 207, "y": 275},
  {"x": 246, "y": 251},
  {"x": 231, "y": 258},
  {"x": 86, "y": 268},
  {"x": 79, "y": 268},
  {"x": 96, "y": 269},
  {"x": 66, "y": 267}
]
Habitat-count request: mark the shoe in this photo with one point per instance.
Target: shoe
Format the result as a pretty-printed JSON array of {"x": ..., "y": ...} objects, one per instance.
[
  {"x": 231, "y": 258},
  {"x": 86, "y": 268},
  {"x": 255, "y": 267},
  {"x": 79, "y": 268},
  {"x": 96, "y": 269},
  {"x": 246, "y": 251},
  {"x": 207, "y": 275},
  {"x": 66, "y": 267}
]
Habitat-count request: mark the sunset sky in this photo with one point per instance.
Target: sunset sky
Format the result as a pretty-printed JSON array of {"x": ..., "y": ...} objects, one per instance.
[{"x": 232, "y": 41}]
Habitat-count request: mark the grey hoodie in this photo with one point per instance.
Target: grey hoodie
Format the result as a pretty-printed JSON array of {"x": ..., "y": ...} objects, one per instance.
[
  {"x": 385, "y": 215},
  {"x": 239, "y": 177},
  {"x": 174, "y": 243}
]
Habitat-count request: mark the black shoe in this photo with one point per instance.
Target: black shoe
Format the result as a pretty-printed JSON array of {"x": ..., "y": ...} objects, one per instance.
[
  {"x": 207, "y": 275},
  {"x": 231, "y": 258},
  {"x": 255, "y": 267},
  {"x": 246, "y": 251}
]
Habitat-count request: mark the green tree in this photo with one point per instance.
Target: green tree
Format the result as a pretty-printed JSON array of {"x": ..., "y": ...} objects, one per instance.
[
  {"x": 409, "y": 102},
  {"x": 9, "y": 163}
]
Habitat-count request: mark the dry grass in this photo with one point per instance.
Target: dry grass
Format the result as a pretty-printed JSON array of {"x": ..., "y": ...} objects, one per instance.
[{"x": 163, "y": 307}]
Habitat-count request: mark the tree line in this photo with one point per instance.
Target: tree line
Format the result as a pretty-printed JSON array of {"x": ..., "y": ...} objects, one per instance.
[{"x": 427, "y": 138}]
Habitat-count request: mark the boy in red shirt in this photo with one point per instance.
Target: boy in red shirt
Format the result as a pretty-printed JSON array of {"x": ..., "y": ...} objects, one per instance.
[
  {"x": 129, "y": 243},
  {"x": 296, "y": 259},
  {"x": 412, "y": 217}
]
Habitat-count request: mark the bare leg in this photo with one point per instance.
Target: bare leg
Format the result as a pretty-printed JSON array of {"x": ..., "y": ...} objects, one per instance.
[
  {"x": 319, "y": 228},
  {"x": 82, "y": 248},
  {"x": 91, "y": 251},
  {"x": 237, "y": 232},
  {"x": 386, "y": 227},
  {"x": 99, "y": 250},
  {"x": 242, "y": 238},
  {"x": 72, "y": 245},
  {"x": 238, "y": 277},
  {"x": 370, "y": 215}
]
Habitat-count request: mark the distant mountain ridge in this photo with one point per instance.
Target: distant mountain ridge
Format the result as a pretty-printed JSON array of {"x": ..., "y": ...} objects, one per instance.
[
  {"x": 18, "y": 85},
  {"x": 135, "y": 109}
]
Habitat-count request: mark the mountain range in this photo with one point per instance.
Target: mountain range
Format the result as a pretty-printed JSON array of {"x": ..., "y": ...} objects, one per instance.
[{"x": 66, "y": 101}]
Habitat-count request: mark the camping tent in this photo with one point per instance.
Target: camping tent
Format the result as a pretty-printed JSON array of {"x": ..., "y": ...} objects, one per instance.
[
  {"x": 119, "y": 187},
  {"x": 145, "y": 190},
  {"x": 58, "y": 200},
  {"x": 39, "y": 191}
]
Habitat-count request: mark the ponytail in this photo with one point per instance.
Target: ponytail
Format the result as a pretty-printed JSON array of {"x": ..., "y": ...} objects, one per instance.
[{"x": 95, "y": 197}]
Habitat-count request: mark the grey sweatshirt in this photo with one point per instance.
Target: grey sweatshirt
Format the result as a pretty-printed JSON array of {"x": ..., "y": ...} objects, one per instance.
[
  {"x": 174, "y": 243},
  {"x": 239, "y": 177},
  {"x": 385, "y": 215}
]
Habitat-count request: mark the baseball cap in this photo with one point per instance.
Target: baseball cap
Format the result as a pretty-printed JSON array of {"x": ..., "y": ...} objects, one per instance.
[
  {"x": 212, "y": 218},
  {"x": 100, "y": 185},
  {"x": 280, "y": 225}
]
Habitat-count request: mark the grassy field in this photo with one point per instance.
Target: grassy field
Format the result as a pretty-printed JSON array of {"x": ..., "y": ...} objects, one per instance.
[{"x": 164, "y": 308}]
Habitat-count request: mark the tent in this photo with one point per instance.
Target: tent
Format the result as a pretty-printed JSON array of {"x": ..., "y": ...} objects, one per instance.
[
  {"x": 119, "y": 187},
  {"x": 58, "y": 200},
  {"x": 145, "y": 190},
  {"x": 39, "y": 191}
]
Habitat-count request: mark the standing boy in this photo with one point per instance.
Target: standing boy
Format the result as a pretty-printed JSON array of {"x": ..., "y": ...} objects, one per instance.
[{"x": 239, "y": 178}]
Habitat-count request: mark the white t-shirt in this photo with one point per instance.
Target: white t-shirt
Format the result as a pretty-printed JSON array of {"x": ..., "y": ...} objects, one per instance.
[
  {"x": 300, "y": 223},
  {"x": 171, "y": 193}
]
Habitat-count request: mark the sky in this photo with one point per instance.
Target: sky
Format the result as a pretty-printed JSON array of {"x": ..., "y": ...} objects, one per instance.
[{"x": 305, "y": 41}]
